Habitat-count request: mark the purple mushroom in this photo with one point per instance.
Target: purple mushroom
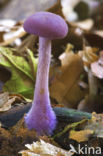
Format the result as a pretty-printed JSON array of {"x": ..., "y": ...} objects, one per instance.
[{"x": 47, "y": 26}]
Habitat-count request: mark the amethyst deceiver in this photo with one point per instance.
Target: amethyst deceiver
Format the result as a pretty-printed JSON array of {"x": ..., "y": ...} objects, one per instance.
[{"x": 47, "y": 26}]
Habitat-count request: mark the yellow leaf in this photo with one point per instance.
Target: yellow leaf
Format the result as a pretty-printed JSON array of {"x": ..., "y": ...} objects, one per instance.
[{"x": 80, "y": 136}]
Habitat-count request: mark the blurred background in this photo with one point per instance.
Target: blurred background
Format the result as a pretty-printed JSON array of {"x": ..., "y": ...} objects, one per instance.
[{"x": 19, "y": 9}]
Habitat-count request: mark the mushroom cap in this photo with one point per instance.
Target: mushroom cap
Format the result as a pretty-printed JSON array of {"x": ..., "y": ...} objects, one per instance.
[{"x": 46, "y": 24}]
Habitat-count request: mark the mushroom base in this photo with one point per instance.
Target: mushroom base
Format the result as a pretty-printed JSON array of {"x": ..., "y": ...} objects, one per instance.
[{"x": 42, "y": 120}]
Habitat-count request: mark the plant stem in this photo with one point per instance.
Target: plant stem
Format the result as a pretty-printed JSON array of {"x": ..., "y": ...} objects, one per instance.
[{"x": 93, "y": 89}]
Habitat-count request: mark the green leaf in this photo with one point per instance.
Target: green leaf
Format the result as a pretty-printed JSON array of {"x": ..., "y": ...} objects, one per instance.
[
  {"x": 33, "y": 62},
  {"x": 23, "y": 77}
]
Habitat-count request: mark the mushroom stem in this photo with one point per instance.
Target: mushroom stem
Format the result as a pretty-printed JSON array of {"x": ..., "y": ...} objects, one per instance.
[
  {"x": 41, "y": 117},
  {"x": 41, "y": 87}
]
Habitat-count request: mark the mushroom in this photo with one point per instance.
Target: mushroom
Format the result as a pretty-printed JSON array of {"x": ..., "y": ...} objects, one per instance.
[{"x": 47, "y": 26}]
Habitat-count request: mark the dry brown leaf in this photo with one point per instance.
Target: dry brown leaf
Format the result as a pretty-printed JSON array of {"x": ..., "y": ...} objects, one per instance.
[
  {"x": 97, "y": 67},
  {"x": 44, "y": 149},
  {"x": 65, "y": 88},
  {"x": 4, "y": 97},
  {"x": 10, "y": 31},
  {"x": 88, "y": 55},
  {"x": 96, "y": 124},
  {"x": 13, "y": 36},
  {"x": 92, "y": 128},
  {"x": 64, "y": 57},
  {"x": 80, "y": 136},
  {"x": 7, "y": 100},
  {"x": 48, "y": 140},
  {"x": 6, "y": 106}
]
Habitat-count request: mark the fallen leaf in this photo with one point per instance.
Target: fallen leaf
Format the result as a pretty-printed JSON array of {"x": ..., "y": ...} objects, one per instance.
[
  {"x": 64, "y": 87},
  {"x": 70, "y": 127},
  {"x": 6, "y": 106},
  {"x": 13, "y": 36},
  {"x": 4, "y": 97},
  {"x": 80, "y": 136},
  {"x": 10, "y": 31},
  {"x": 22, "y": 79},
  {"x": 64, "y": 57},
  {"x": 88, "y": 55},
  {"x": 92, "y": 127},
  {"x": 42, "y": 148},
  {"x": 97, "y": 67},
  {"x": 96, "y": 124},
  {"x": 6, "y": 101}
]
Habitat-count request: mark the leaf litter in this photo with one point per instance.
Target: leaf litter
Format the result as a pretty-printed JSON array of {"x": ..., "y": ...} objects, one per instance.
[
  {"x": 6, "y": 101},
  {"x": 21, "y": 80},
  {"x": 42, "y": 149}
]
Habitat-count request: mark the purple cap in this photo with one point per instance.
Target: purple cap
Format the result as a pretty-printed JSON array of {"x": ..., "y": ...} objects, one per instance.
[{"x": 46, "y": 24}]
